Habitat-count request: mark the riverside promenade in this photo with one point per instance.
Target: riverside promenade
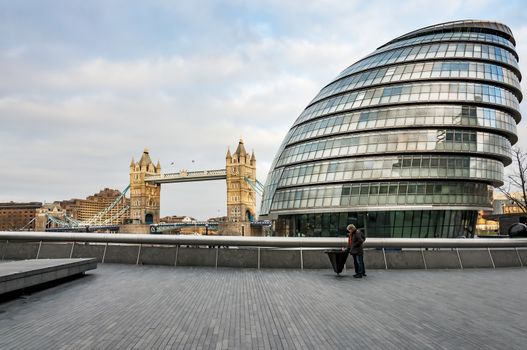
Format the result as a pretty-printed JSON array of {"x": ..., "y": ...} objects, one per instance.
[{"x": 156, "y": 307}]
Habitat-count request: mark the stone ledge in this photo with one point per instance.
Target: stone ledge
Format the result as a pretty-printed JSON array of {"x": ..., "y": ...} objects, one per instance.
[{"x": 22, "y": 274}]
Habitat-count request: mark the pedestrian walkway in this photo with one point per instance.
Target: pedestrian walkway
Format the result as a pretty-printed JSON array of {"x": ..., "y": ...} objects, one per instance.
[{"x": 153, "y": 307}]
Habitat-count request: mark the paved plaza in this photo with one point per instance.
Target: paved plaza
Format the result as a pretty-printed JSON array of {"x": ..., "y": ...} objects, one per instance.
[{"x": 154, "y": 307}]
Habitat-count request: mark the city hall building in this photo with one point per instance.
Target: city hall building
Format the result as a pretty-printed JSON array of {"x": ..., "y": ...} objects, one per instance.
[{"x": 407, "y": 142}]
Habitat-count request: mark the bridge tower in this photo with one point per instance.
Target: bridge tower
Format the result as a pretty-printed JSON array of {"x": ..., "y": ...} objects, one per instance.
[
  {"x": 144, "y": 197},
  {"x": 241, "y": 197}
]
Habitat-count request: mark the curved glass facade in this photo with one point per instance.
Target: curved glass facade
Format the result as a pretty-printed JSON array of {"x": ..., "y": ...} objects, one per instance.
[{"x": 406, "y": 142}]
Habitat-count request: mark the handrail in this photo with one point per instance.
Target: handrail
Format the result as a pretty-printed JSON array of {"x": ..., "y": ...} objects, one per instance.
[{"x": 278, "y": 242}]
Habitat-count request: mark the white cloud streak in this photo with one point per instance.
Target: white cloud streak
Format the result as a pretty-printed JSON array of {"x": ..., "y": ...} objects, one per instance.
[{"x": 76, "y": 105}]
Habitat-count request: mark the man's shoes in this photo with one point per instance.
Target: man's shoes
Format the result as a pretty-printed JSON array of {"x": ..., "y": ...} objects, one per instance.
[
  {"x": 364, "y": 275},
  {"x": 357, "y": 275}
]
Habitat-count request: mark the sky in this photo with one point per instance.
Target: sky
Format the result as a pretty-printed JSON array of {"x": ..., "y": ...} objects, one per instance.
[{"x": 87, "y": 85}]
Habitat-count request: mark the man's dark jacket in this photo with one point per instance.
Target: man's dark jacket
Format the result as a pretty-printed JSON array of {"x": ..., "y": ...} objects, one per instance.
[{"x": 357, "y": 239}]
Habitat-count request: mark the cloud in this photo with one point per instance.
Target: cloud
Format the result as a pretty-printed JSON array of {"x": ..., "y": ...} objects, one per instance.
[{"x": 86, "y": 86}]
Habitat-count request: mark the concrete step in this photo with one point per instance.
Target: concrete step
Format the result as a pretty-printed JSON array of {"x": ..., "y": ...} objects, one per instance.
[{"x": 17, "y": 275}]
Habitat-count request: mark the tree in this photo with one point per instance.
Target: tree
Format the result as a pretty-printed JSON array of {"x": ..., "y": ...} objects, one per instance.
[{"x": 515, "y": 188}]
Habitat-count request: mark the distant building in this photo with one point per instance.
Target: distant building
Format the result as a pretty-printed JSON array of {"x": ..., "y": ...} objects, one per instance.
[
  {"x": 505, "y": 213},
  {"x": 504, "y": 205},
  {"x": 185, "y": 230},
  {"x": 176, "y": 219},
  {"x": 49, "y": 209},
  {"x": 86, "y": 209},
  {"x": 218, "y": 219},
  {"x": 485, "y": 226},
  {"x": 18, "y": 216}
]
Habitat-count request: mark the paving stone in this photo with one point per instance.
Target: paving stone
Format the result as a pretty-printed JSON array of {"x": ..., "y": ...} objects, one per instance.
[{"x": 161, "y": 307}]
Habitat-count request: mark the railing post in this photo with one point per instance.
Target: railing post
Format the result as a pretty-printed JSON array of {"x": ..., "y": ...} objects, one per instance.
[
  {"x": 104, "y": 253},
  {"x": 301, "y": 260},
  {"x": 384, "y": 256},
  {"x": 258, "y": 258},
  {"x": 491, "y": 259},
  {"x": 138, "y": 254},
  {"x": 424, "y": 260},
  {"x": 177, "y": 251},
  {"x": 38, "y": 251},
  {"x": 71, "y": 252},
  {"x": 517, "y": 253},
  {"x": 459, "y": 258}
]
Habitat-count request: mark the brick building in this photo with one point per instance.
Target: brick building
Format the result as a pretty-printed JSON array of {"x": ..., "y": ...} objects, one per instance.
[
  {"x": 85, "y": 209},
  {"x": 18, "y": 216}
]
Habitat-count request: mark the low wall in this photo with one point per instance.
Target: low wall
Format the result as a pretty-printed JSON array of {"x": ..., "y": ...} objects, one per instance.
[
  {"x": 136, "y": 229},
  {"x": 258, "y": 257}
]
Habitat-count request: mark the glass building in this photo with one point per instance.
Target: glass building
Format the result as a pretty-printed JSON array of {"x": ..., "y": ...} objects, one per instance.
[{"x": 407, "y": 142}]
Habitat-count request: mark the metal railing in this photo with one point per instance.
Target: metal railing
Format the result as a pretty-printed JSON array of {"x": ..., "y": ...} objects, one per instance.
[{"x": 277, "y": 242}]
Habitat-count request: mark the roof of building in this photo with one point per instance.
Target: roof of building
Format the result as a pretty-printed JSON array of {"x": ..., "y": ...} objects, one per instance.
[
  {"x": 145, "y": 158},
  {"x": 465, "y": 25},
  {"x": 20, "y": 205},
  {"x": 240, "y": 150}
]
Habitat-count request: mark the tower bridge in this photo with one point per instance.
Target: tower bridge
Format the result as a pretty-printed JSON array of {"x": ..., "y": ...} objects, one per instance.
[
  {"x": 143, "y": 210},
  {"x": 146, "y": 179}
]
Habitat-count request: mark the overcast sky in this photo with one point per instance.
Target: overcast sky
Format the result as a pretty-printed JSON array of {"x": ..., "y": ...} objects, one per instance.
[{"x": 87, "y": 85}]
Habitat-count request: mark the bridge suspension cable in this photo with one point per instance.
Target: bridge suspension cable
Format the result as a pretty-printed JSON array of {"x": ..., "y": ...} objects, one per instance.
[
  {"x": 100, "y": 219},
  {"x": 27, "y": 225},
  {"x": 57, "y": 221},
  {"x": 256, "y": 185},
  {"x": 116, "y": 216}
]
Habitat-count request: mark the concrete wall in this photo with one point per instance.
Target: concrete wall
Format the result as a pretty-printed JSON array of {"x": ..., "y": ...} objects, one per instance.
[
  {"x": 3, "y": 247},
  {"x": 145, "y": 229},
  {"x": 121, "y": 254},
  {"x": 442, "y": 259},
  {"x": 373, "y": 259},
  {"x": 84, "y": 250},
  {"x": 475, "y": 258},
  {"x": 158, "y": 255},
  {"x": 249, "y": 257},
  {"x": 405, "y": 259},
  {"x": 243, "y": 257},
  {"x": 21, "y": 250},
  {"x": 196, "y": 257},
  {"x": 278, "y": 258},
  {"x": 235, "y": 229},
  {"x": 315, "y": 259},
  {"x": 50, "y": 250},
  {"x": 505, "y": 258}
]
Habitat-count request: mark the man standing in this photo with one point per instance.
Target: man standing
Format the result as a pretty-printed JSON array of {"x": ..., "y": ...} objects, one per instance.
[{"x": 355, "y": 240}]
